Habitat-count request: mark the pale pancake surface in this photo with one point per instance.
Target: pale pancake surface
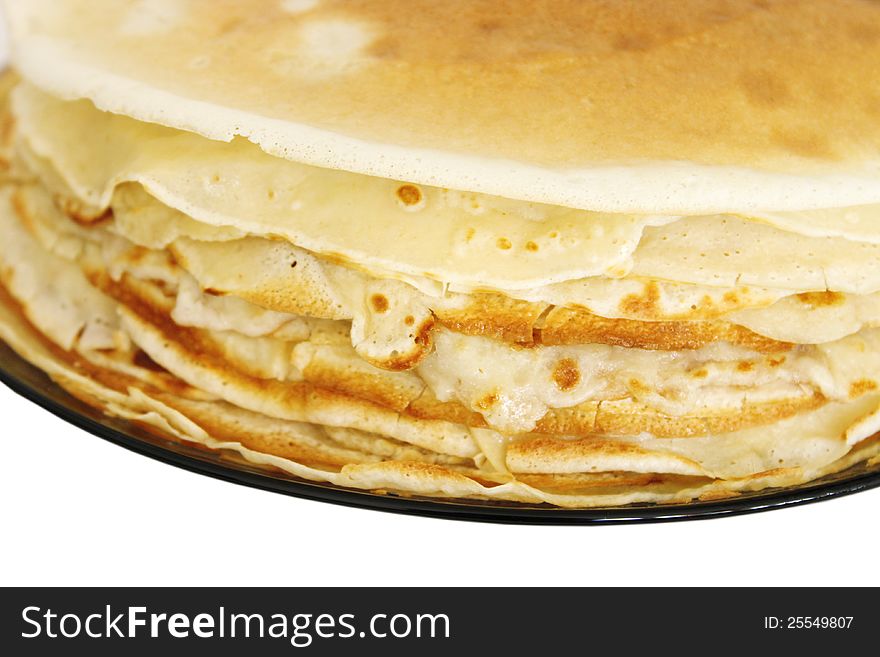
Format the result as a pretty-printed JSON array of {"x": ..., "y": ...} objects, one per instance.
[{"x": 676, "y": 107}]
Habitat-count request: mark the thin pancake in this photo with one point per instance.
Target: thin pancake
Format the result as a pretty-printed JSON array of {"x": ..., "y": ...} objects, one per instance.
[
  {"x": 728, "y": 105},
  {"x": 407, "y": 477}
]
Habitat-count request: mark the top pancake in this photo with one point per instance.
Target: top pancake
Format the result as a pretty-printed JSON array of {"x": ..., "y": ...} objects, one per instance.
[{"x": 673, "y": 107}]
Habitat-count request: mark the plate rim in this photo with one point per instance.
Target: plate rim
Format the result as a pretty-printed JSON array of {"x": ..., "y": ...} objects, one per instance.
[{"x": 463, "y": 510}]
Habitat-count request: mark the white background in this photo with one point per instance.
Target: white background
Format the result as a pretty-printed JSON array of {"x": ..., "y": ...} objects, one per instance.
[
  {"x": 76, "y": 510},
  {"x": 79, "y": 510}
]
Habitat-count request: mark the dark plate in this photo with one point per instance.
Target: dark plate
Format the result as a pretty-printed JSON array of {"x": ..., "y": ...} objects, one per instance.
[{"x": 31, "y": 383}]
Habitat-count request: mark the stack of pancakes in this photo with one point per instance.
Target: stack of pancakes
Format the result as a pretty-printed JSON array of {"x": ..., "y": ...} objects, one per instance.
[{"x": 587, "y": 253}]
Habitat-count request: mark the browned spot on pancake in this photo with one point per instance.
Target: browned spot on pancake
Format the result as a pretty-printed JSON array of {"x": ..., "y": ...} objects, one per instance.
[
  {"x": 504, "y": 244},
  {"x": 379, "y": 302},
  {"x": 487, "y": 401},
  {"x": 765, "y": 89},
  {"x": 409, "y": 320},
  {"x": 409, "y": 195},
  {"x": 819, "y": 299},
  {"x": 860, "y": 387},
  {"x": 745, "y": 366},
  {"x": 422, "y": 345},
  {"x": 776, "y": 362},
  {"x": 701, "y": 373},
  {"x": 423, "y": 333},
  {"x": 642, "y": 305},
  {"x": 731, "y": 297},
  {"x": 566, "y": 374},
  {"x": 531, "y": 246}
]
